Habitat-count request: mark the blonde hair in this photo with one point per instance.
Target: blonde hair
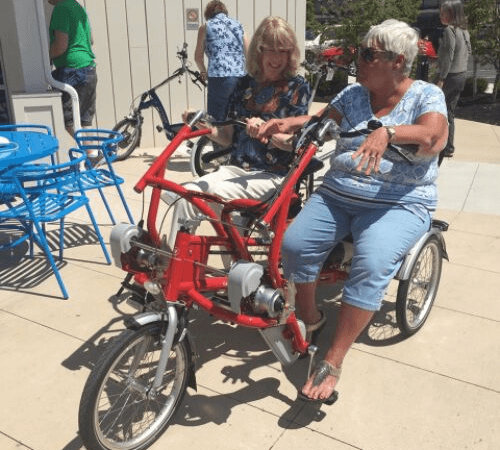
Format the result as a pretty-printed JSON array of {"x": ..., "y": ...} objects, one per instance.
[
  {"x": 273, "y": 32},
  {"x": 396, "y": 37}
]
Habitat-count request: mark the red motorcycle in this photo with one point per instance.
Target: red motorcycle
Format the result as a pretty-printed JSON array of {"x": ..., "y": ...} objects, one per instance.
[{"x": 136, "y": 387}]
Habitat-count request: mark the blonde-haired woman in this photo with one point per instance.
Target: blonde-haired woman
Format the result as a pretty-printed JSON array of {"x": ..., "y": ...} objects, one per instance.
[
  {"x": 273, "y": 32},
  {"x": 271, "y": 89}
]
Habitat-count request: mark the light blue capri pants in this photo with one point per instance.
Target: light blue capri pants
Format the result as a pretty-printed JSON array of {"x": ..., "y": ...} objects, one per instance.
[{"x": 382, "y": 235}]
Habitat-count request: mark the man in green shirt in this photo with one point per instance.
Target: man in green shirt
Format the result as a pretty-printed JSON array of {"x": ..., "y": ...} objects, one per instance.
[{"x": 71, "y": 53}]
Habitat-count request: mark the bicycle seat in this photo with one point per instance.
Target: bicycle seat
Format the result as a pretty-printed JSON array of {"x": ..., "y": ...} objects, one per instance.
[{"x": 314, "y": 165}]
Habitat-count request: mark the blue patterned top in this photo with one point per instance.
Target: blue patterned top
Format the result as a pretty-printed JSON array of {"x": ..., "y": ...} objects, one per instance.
[
  {"x": 397, "y": 182},
  {"x": 284, "y": 99},
  {"x": 224, "y": 47}
]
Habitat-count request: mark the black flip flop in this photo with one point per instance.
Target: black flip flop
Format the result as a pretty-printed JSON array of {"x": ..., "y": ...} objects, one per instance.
[{"x": 327, "y": 401}]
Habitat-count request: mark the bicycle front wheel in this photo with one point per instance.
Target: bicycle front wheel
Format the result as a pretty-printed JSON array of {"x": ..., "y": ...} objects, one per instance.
[
  {"x": 131, "y": 131},
  {"x": 417, "y": 294},
  {"x": 118, "y": 411},
  {"x": 203, "y": 147}
]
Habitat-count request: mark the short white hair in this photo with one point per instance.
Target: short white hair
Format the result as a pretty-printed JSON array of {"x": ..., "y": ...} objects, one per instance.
[{"x": 396, "y": 37}]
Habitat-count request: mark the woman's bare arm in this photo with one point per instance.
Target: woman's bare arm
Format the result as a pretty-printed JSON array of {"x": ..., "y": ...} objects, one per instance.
[{"x": 199, "y": 52}]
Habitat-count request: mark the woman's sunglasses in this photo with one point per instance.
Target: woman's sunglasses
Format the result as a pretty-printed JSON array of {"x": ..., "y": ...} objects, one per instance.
[{"x": 368, "y": 53}]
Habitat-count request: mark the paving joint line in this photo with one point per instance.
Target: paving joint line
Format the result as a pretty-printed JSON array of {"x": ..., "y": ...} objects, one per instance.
[{"x": 485, "y": 388}]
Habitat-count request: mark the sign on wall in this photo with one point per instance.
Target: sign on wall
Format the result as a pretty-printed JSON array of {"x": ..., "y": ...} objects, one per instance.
[{"x": 192, "y": 18}]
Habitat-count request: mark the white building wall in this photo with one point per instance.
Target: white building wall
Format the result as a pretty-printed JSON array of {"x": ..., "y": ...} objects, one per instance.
[{"x": 135, "y": 42}]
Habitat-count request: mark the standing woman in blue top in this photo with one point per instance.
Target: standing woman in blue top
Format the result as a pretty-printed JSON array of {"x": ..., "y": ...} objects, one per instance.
[{"x": 224, "y": 42}]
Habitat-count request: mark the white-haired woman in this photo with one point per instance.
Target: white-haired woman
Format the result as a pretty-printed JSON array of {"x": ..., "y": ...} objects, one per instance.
[{"x": 370, "y": 192}]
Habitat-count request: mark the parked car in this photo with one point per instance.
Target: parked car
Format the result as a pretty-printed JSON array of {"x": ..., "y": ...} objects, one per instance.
[{"x": 336, "y": 55}]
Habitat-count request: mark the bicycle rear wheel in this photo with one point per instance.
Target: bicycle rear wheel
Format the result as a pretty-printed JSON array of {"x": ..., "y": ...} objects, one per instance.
[
  {"x": 203, "y": 147},
  {"x": 131, "y": 131},
  {"x": 416, "y": 295},
  {"x": 117, "y": 409}
]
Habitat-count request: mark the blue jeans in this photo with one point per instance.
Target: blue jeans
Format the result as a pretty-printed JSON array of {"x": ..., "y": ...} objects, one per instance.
[
  {"x": 219, "y": 91},
  {"x": 84, "y": 80},
  {"x": 382, "y": 236}
]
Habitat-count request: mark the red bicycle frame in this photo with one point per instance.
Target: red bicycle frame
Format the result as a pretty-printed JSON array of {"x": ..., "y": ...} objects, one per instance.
[{"x": 188, "y": 275}]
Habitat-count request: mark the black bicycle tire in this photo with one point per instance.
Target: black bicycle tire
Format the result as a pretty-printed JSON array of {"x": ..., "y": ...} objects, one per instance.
[
  {"x": 402, "y": 300},
  {"x": 91, "y": 433},
  {"x": 135, "y": 139},
  {"x": 198, "y": 151}
]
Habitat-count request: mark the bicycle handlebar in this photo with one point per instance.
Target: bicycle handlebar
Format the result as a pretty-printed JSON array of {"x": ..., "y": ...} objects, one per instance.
[
  {"x": 318, "y": 127},
  {"x": 182, "y": 55}
]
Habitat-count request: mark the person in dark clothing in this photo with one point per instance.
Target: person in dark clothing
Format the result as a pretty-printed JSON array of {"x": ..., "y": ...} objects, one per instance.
[{"x": 453, "y": 55}]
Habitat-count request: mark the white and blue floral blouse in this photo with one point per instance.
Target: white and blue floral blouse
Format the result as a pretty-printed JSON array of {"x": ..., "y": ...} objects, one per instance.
[
  {"x": 398, "y": 181},
  {"x": 224, "y": 47},
  {"x": 283, "y": 99}
]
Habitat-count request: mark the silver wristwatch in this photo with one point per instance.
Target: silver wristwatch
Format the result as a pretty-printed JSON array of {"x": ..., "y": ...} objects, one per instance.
[{"x": 391, "y": 132}]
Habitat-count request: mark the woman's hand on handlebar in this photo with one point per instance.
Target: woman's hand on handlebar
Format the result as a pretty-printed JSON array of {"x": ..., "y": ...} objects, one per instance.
[
  {"x": 279, "y": 140},
  {"x": 371, "y": 151},
  {"x": 253, "y": 126},
  {"x": 188, "y": 115},
  {"x": 223, "y": 135},
  {"x": 285, "y": 126}
]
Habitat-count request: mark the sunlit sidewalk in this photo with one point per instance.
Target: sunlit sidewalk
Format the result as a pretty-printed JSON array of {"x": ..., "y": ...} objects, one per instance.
[{"x": 439, "y": 389}]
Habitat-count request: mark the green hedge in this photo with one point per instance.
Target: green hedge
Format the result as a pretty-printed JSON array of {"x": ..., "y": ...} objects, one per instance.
[
  {"x": 331, "y": 88},
  {"x": 481, "y": 84}
]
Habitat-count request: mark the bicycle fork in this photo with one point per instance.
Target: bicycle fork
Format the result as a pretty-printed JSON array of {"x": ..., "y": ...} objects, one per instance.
[{"x": 166, "y": 346}]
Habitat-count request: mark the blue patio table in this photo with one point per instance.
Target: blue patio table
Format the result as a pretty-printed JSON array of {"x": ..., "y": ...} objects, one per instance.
[
  {"x": 20, "y": 144},
  {"x": 25, "y": 143}
]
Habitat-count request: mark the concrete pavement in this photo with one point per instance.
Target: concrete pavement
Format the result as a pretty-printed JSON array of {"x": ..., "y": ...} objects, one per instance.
[{"x": 439, "y": 389}]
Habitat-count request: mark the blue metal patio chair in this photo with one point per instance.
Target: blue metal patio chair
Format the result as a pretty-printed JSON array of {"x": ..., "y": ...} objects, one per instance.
[
  {"x": 40, "y": 198},
  {"x": 105, "y": 141}
]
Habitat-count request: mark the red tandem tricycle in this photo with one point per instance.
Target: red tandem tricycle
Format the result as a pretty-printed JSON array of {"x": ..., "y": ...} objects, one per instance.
[{"x": 136, "y": 387}]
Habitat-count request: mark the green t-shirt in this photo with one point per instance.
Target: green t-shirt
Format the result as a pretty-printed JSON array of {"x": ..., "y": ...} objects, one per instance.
[{"x": 69, "y": 17}]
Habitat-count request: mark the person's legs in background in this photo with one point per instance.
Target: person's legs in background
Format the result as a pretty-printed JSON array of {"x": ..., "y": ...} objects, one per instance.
[
  {"x": 87, "y": 96},
  {"x": 84, "y": 81},
  {"x": 453, "y": 86},
  {"x": 219, "y": 91}
]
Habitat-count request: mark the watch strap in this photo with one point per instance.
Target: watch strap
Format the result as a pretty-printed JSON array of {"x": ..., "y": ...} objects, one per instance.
[{"x": 391, "y": 132}]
